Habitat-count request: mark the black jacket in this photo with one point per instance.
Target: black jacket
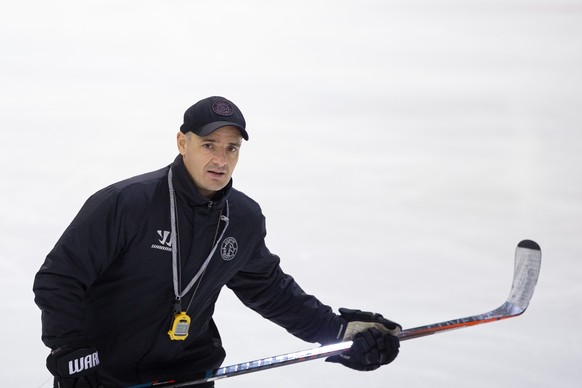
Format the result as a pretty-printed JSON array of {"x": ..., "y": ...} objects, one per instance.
[{"x": 108, "y": 280}]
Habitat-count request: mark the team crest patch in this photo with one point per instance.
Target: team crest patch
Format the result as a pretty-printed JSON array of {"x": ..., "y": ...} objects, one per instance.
[
  {"x": 229, "y": 248},
  {"x": 222, "y": 108}
]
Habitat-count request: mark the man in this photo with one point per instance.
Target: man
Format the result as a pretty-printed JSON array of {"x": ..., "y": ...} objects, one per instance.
[{"x": 128, "y": 292}]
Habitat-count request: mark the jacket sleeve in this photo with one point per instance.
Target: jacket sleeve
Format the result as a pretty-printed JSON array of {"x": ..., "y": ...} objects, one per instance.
[
  {"x": 88, "y": 245},
  {"x": 263, "y": 286}
]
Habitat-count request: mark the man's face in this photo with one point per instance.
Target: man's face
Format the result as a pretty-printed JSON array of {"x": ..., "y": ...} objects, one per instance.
[{"x": 210, "y": 160}]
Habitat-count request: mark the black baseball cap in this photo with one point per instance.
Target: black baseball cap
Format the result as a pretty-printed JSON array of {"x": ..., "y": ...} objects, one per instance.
[{"x": 212, "y": 113}]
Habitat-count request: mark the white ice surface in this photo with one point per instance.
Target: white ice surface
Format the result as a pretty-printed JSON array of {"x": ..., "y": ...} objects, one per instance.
[{"x": 399, "y": 149}]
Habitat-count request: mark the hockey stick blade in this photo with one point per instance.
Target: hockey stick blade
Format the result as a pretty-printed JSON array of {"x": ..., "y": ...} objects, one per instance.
[
  {"x": 526, "y": 272},
  {"x": 528, "y": 257}
]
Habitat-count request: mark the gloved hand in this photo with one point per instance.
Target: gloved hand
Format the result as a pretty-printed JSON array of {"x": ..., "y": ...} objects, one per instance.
[
  {"x": 74, "y": 368},
  {"x": 375, "y": 341}
]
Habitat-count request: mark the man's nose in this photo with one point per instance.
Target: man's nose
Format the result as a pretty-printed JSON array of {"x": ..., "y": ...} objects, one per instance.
[{"x": 220, "y": 158}]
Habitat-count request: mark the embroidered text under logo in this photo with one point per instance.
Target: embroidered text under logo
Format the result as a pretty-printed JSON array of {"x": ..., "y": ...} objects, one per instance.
[{"x": 165, "y": 241}]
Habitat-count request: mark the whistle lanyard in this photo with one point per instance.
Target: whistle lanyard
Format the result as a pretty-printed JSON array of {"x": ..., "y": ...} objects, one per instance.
[{"x": 176, "y": 271}]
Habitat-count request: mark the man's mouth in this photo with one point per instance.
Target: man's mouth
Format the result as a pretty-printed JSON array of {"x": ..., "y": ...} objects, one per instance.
[{"x": 216, "y": 174}]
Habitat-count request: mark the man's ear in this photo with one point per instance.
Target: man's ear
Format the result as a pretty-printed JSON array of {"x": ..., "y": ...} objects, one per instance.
[{"x": 181, "y": 142}]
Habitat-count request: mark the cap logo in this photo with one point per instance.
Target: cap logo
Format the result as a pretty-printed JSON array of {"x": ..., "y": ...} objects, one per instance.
[{"x": 222, "y": 108}]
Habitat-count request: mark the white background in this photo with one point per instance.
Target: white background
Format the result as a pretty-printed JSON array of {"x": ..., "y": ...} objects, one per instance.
[{"x": 399, "y": 149}]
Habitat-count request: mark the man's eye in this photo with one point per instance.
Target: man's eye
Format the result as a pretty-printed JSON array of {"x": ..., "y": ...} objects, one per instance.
[{"x": 208, "y": 145}]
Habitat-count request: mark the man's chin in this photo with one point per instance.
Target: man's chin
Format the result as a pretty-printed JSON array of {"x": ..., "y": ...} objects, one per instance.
[{"x": 212, "y": 188}]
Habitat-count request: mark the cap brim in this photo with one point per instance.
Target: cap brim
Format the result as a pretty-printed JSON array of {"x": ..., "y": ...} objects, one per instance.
[{"x": 211, "y": 127}]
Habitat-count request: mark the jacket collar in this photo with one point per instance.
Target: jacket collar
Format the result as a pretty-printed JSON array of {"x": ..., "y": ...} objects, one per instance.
[{"x": 186, "y": 190}]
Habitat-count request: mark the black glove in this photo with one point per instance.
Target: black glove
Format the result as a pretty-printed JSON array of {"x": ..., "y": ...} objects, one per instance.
[
  {"x": 74, "y": 368},
  {"x": 375, "y": 341}
]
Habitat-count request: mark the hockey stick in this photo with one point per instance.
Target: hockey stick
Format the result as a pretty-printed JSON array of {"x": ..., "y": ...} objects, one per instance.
[{"x": 527, "y": 268}]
